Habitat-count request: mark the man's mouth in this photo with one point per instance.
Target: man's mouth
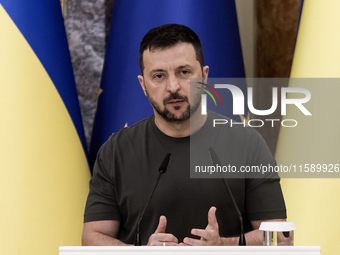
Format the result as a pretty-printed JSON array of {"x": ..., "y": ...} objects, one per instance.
[{"x": 175, "y": 101}]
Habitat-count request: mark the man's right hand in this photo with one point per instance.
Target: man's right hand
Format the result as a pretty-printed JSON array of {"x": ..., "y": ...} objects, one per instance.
[{"x": 160, "y": 238}]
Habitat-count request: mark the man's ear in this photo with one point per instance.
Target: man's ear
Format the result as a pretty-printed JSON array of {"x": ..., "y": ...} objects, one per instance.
[
  {"x": 141, "y": 82},
  {"x": 205, "y": 74}
]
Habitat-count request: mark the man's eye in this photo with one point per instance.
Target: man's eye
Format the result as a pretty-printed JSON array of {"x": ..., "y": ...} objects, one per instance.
[
  {"x": 185, "y": 72},
  {"x": 158, "y": 76}
]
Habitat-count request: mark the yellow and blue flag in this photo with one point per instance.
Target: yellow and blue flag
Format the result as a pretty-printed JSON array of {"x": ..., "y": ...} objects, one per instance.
[
  {"x": 122, "y": 100},
  {"x": 313, "y": 203},
  {"x": 43, "y": 162}
]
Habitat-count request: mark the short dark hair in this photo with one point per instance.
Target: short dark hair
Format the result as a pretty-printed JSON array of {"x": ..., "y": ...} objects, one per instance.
[{"x": 168, "y": 35}]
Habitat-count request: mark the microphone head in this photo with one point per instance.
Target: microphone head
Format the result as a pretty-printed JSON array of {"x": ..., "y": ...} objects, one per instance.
[
  {"x": 165, "y": 163},
  {"x": 213, "y": 156}
]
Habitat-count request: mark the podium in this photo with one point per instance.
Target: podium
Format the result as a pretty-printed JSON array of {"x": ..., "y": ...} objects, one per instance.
[{"x": 190, "y": 250}]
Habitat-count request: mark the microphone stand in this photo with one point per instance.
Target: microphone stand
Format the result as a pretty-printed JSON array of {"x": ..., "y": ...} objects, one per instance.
[
  {"x": 162, "y": 170},
  {"x": 216, "y": 161}
]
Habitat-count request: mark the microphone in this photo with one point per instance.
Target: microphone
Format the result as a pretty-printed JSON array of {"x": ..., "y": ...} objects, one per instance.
[
  {"x": 216, "y": 161},
  {"x": 162, "y": 169}
]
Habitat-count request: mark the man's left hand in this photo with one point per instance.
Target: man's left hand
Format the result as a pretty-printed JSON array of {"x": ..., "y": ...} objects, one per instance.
[{"x": 209, "y": 236}]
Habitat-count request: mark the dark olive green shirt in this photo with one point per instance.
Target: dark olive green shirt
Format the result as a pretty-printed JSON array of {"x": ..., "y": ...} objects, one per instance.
[{"x": 126, "y": 170}]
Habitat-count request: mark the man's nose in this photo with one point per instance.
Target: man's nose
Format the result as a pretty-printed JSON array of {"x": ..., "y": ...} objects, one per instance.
[{"x": 173, "y": 84}]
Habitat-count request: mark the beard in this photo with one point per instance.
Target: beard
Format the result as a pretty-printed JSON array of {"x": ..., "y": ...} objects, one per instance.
[{"x": 169, "y": 116}]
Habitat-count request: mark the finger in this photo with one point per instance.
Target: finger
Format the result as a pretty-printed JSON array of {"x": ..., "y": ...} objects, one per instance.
[
  {"x": 193, "y": 242},
  {"x": 200, "y": 232},
  {"x": 169, "y": 244},
  {"x": 163, "y": 237},
  {"x": 183, "y": 244},
  {"x": 161, "y": 225},
  {"x": 167, "y": 238},
  {"x": 212, "y": 221},
  {"x": 159, "y": 239}
]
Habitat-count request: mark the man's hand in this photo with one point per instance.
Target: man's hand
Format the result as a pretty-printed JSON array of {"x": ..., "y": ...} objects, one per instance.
[
  {"x": 209, "y": 235},
  {"x": 160, "y": 238}
]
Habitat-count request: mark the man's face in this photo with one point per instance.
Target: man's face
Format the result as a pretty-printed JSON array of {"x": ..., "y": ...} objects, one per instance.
[{"x": 166, "y": 81}]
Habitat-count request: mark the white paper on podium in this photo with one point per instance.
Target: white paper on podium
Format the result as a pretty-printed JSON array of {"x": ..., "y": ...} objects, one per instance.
[{"x": 190, "y": 250}]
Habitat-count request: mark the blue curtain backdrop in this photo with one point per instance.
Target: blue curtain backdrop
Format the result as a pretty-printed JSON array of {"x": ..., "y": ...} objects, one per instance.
[{"x": 121, "y": 100}]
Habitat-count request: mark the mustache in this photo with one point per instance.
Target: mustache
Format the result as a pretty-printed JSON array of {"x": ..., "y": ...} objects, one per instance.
[{"x": 175, "y": 96}]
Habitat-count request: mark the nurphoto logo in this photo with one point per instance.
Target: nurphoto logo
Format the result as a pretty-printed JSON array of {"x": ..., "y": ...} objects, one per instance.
[{"x": 238, "y": 106}]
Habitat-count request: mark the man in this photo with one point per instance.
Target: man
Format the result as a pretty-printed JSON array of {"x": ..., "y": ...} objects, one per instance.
[{"x": 183, "y": 210}]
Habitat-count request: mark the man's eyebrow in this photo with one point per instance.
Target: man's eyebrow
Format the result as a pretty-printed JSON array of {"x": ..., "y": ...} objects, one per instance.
[
  {"x": 157, "y": 70},
  {"x": 177, "y": 68},
  {"x": 184, "y": 66}
]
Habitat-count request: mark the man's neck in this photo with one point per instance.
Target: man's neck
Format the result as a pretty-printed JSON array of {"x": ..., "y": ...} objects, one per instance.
[{"x": 180, "y": 129}]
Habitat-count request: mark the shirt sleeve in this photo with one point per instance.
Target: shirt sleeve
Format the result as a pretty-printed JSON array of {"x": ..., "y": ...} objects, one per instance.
[
  {"x": 264, "y": 198},
  {"x": 101, "y": 202}
]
